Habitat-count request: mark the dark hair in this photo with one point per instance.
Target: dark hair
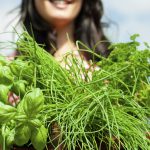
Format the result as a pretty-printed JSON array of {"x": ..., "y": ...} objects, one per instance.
[{"x": 88, "y": 27}]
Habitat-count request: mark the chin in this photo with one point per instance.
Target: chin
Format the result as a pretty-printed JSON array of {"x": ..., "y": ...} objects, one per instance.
[{"x": 61, "y": 21}]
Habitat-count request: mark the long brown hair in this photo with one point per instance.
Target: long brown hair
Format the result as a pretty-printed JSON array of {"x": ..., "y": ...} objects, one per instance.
[{"x": 88, "y": 27}]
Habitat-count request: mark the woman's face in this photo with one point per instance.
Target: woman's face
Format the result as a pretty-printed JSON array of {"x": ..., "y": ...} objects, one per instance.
[{"x": 58, "y": 12}]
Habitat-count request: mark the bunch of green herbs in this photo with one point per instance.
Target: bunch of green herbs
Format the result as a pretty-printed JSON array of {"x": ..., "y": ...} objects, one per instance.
[{"x": 89, "y": 109}]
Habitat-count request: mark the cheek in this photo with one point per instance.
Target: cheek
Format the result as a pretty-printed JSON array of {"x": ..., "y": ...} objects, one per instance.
[
  {"x": 44, "y": 9},
  {"x": 77, "y": 8},
  {"x": 39, "y": 5}
]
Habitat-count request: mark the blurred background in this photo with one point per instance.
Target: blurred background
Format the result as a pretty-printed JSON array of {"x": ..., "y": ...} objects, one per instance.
[{"x": 125, "y": 18}]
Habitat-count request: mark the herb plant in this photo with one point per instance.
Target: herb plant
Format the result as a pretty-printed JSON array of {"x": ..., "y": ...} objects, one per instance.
[{"x": 73, "y": 109}]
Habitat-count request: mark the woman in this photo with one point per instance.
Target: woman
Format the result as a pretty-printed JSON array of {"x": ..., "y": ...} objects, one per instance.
[
  {"x": 53, "y": 22},
  {"x": 50, "y": 20}
]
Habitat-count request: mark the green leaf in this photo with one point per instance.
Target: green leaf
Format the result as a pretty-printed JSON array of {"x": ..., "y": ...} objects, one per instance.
[
  {"x": 22, "y": 69},
  {"x": 6, "y": 76},
  {"x": 22, "y": 135},
  {"x": 20, "y": 108},
  {"x": 17, "y": 66},
  {"x": 10, "y": 138},
  {"x": 19, "y": 87},
  {"x": 35, "y": 123},
  {"x": 3, "y": 61},
  {"x": 134, "y": 36},
  {"x": 33, "y": 102},
  {"x": 39, "y": 138},
  {"x": 4, "y": 93},
  {"x": 7, "y": 112},
  {"x": 7, "y": 136}
]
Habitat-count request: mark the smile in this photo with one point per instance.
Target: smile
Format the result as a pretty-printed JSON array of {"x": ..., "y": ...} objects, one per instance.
[
  {"x": 62, "y": 1},
  {"x": 61, "y": 4}
]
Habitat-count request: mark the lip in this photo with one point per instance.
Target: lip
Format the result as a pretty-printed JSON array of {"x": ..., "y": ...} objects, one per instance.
[
  {"x": 66, "y": 1},
  {"x": 61, "y": 4}
]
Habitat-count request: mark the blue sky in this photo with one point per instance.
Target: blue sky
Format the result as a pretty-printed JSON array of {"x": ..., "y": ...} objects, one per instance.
[
  {"x": 126, "y": 17},
  {"x": 131, "y": 16}
]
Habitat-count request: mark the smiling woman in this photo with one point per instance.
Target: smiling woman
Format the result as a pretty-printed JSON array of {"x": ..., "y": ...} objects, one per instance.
[
  {"x": 51, "y": 20},
  {"x": 58, "y": 13},
  {"x": 61, "y": 109}
]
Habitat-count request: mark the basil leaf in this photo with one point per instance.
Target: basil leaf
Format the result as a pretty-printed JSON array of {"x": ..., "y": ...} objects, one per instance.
[
  {"x": 6, "y": 76},
  {"x": 10, "y": 138},
  {"x": 3, "y": 61},
  {"x": 33, "y": 102},
  {"x": 39, "y": 138},
  {"x": 19, "y": 87},
  {"x": 23, "y": 69},
  {"x": 22, "y": 135},
  {"x": 7, "y": 112},
  {"x": 4, "y": 93}
]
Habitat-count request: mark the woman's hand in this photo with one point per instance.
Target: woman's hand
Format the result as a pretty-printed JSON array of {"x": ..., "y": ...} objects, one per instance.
[{"x": 13, "y": 99}]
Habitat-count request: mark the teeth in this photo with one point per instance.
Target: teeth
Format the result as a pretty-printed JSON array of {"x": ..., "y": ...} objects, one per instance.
[
  {"x": 56, "y": 0},
  {"x": 61, "y": 1}
]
